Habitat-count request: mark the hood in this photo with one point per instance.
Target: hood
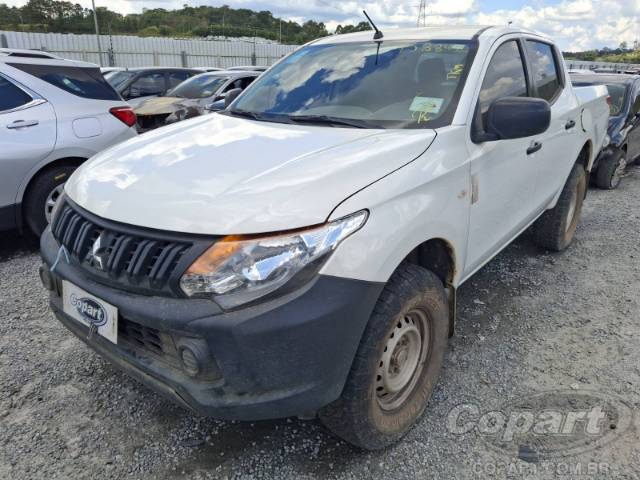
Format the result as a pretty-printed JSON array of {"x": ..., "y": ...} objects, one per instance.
[
  {"x": 218, "y": 174},
  {"x": 159, "y": 106}
]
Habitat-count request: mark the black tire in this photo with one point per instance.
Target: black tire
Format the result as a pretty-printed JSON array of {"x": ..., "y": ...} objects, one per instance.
[
  {"x": 610, "y": 170},
  {"x": 363, "y": 415},
  {"x": 555, "y": 229},
  {"x": 38, "y": 193}
]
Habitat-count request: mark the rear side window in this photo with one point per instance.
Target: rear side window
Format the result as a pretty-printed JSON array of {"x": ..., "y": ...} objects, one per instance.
[
  {"x": 11, "y": 96},
  {"x": 82, "y": 82},
  {"x": 505, "y": 76},
  {"x": 176, "y": 78},
  {"x": 147, "y": 85},
  {"x": 544, "y": 69}
]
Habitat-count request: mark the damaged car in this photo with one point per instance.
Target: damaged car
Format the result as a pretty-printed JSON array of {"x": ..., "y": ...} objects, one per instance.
[{"x": 196, "y": 96}]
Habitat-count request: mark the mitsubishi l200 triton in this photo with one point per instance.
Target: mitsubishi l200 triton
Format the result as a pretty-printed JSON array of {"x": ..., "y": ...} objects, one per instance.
[{"x": 298, "y": 253}]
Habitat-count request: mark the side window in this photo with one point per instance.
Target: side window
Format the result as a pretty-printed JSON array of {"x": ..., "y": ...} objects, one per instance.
[
  {"x": 11, "y": 96},
  {"x": 543, "y": 67},
  {"x": 146, "y": 85},
  {"x": 246, "y": 82},
  {"x": 505, "y": 76},
  {"x": 176, "y": 78},
  {"x": 233, "y": 85},
  {"x": 80, "y": 81}
]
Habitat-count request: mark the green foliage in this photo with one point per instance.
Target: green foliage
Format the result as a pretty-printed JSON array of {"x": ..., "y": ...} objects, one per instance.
[
  {"x": 66, "y": 17},
  {"x": 621, "y": 54},
  {"x": 361, "y": 27},
  {"x": 151, "y": 31}
]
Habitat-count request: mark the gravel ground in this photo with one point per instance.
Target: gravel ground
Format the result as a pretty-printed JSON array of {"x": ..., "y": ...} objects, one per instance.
[{"x": 529, "y": 322}]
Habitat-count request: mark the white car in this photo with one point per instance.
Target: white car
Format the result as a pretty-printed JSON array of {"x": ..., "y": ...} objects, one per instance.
[
  {"x": 54, "y": 115},
  {"x": 299, "y": 252}
]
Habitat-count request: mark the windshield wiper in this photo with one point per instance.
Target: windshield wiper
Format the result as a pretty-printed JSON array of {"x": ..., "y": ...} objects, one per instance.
[
  {"x": 328, "y": 120},
  {"x": 245, "y": 114}
]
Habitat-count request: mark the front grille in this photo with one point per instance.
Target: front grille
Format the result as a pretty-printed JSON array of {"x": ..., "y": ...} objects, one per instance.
[
  {"x": 123, "y": 255},
  {"x": 143, "y": 337}
]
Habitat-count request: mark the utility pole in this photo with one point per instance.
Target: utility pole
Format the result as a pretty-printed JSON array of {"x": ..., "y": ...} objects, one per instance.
[
  {"x": 95, "y": 21},
  {"x": 422, "y": 14},
  {"x": 280, "y": 30}
]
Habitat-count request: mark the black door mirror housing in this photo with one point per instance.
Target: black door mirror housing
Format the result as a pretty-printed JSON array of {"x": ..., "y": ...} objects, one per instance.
[
  {"x": 515, "y": 117},
  {"x": 231, "y": 96}
]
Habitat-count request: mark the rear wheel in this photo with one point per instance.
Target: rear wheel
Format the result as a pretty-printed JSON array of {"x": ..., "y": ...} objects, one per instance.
[
  {"x": 556, "y": 228},
  {"x": 42, "y": 195},
  {"x": 397, "y": 363},
  {"x": 610, "y": 170}
]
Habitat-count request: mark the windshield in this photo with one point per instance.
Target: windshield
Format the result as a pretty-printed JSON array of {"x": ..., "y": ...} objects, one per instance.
[
  {"x": 118, "y": 78},
  {"x": 390, "y": 84},
  {"x": 201, "y": 86},
  {"x": 617, "y": 93}
]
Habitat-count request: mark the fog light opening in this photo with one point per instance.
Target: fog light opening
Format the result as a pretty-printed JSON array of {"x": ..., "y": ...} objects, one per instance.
[{"x": 190, "y": 361}]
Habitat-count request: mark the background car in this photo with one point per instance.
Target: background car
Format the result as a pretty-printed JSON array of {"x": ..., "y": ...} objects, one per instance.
[
  {"x": 106, "y": 70},
  {"x": 623, "y": 130},
  {"x": 191, "y": 98},
  {"x": 249, "y": 68},
  {"x": 54, "y": 114},
  {"x": 138, "y": 84},
  {"x": 210, "y": 69}
]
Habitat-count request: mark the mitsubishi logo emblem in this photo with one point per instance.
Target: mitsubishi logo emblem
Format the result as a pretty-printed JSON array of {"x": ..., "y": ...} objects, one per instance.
[{"x": 98, "y": 255}]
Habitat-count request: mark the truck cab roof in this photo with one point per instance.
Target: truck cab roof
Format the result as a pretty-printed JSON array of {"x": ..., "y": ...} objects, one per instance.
[{"x": 444, "y": 32}]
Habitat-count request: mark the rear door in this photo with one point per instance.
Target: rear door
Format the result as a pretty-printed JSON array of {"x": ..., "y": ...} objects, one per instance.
[
  {"x": 559, "y": 145},
  {"x": 27, "y": 135}
]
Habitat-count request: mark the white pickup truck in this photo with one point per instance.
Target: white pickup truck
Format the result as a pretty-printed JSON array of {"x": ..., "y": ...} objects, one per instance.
[{"x": 299, "y": 252}]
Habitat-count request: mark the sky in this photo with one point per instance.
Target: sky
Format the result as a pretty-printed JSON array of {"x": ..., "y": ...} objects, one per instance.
[{"x": 574, "y": 24}]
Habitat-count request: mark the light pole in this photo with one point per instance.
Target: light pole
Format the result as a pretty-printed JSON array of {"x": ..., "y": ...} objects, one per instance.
[{"x": 95, "y": 21}]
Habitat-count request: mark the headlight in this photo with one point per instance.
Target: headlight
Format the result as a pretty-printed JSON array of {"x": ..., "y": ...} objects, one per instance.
[{"x": 240, "y": 269}]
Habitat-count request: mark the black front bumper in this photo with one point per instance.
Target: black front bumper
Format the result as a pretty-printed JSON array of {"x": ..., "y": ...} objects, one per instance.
[{"x": 287, "y": 357}]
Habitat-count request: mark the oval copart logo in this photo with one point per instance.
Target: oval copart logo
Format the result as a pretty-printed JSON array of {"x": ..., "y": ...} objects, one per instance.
[
  {"x": 90, "y": 310},
  {"x": 546, "y": 424}
]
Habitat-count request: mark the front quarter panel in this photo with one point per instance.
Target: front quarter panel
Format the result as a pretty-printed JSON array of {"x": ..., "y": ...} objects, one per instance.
[{"x": 426, "y": 199}]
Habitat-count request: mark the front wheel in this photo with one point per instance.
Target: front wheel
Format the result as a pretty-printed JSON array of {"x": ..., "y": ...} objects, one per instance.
[
  {"x": 42, "y": 195},
  {"x": 556, "y": 228},
  {"x": 397, "y": 363}
]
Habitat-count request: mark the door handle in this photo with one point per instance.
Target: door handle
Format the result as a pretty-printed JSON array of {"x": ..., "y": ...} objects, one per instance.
[
  {"x": 535, "y": 146},
  {"x": 569, "y": 125},
  {"x": 22, "y": 124}
]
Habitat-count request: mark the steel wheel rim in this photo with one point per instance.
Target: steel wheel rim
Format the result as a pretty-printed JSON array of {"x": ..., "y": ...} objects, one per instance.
[
  {"x": 617, "y": 173},
  {"x": 403, "y": 359},
  {"x": 50, "y": 203}
]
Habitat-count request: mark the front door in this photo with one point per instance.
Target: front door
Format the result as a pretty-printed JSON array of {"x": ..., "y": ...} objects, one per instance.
[
  {"x": 503, "y": 175},
  {"x": 633, "y": 137}
]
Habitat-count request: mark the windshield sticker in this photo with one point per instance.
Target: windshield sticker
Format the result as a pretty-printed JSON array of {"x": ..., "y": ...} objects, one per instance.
[
  {"x": 455, "y": 72},
  {"x": 426, "y": 105}
]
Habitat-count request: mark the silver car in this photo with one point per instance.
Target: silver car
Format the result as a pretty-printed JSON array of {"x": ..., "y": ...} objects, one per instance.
[{"x": 54, "y": 115}]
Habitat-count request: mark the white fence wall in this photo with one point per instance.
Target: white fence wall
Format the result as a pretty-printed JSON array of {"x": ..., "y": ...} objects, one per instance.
[
  {"x": 130, "y": 51},
  {"x": 583, "y": 65}
]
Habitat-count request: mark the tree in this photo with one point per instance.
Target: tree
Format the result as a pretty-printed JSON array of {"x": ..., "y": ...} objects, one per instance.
[{"x": 361, "y": 27}]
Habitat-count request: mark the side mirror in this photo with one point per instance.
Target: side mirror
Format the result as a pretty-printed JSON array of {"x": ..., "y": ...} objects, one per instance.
[
  {"x": 515, "y": 117},
  {"x": 231, "y": 96},
  {"x": 215, "y": 106}
]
